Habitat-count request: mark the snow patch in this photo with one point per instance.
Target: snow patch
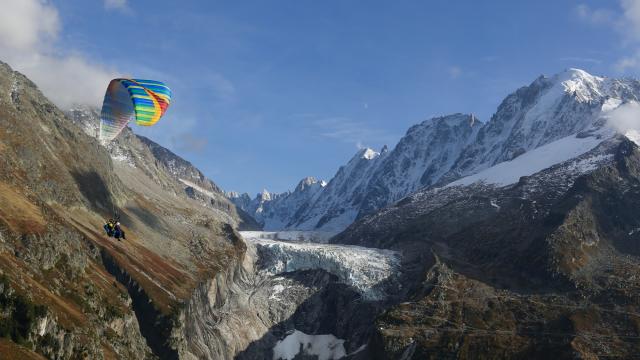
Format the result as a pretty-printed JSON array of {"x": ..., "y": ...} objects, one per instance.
[
  {"x": 533, "y": 161},
  {"x": 13, "y": 92},
  {"x": 370, "y": 154},
  {"x": 494, "y": 203},
  {"x": 582, "y": 84},
  {"x": 198, "y": 188},
  {"x": 117, "y": 154},
  {"x": 633, "y": 135},
  {"x": 277, "y": 290},
  {"x": 325, "y": 347}
]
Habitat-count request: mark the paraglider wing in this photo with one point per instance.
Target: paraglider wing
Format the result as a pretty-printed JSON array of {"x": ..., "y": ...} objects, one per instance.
[{"x": 128, "y": 99}]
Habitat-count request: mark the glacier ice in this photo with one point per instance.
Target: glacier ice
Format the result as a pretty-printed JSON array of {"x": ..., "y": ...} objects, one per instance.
[{"x": 365, "y": 269}]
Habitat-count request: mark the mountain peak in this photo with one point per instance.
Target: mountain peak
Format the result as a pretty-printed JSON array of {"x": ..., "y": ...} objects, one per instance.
[
  {"x": 580, "y": 84},
  {"x": 369, "y": 154},
  {"x": 265, "y": 195},
  {"x": 306, "y": 183}
]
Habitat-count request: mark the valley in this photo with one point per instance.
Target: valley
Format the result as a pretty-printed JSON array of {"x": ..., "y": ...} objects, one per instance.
[{"x": 514, "y": 238}]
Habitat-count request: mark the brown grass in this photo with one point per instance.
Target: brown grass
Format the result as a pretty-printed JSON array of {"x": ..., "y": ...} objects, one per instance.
[
  {"x": 25, "y": 282},
  {"x": 20, "y": 215},
  {"x": 140, "y": 262},
  {"x": 108, "y": 352},
  {"x": 12, "y": 351}
]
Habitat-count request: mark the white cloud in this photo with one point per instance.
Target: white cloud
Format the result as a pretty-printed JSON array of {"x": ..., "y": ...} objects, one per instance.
[
  {"x": 350, "y": 131},
  {"x": 455, "y": 72},
  {"x": 626, "y": 118},
  {"x": 115, "y": 4},
  {"x": 24, "y": 24},
  {"x": 29, "y": 31},
  {"x": 627, "y": 63},
  {"x": 223, "y": 88},
  {"x": 581, "y": 59},
  {"x": 118, "y": 5},
  {"x": 631, "y": 18},
  {"x": 595, "y": 16},
  {"x": 626, "y": 22},
  {"x": 489, "y": 58}
]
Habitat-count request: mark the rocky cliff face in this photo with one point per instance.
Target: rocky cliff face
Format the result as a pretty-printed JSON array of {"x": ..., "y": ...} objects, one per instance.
[
  {"x": 244, "y": 314},
  {"x": 58, "y": 299},
  {"x": 444, "y": 149},
  {"x": 173, "y": 173}
]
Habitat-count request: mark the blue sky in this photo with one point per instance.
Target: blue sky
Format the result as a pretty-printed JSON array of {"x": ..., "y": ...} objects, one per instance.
[{"x": 268, "y": 92}]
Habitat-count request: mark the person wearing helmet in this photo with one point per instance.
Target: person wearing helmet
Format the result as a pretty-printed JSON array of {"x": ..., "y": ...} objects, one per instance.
[
  {"x": 109, "y": 227},
  {"x": 118, "y": 232}
]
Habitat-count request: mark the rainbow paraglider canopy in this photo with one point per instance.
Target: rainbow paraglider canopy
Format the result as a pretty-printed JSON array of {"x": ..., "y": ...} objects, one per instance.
[{"x": 144, "y": 101}]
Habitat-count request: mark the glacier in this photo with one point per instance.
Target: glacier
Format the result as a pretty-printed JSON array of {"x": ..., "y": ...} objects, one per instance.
[{"x": 368, "y": 270}]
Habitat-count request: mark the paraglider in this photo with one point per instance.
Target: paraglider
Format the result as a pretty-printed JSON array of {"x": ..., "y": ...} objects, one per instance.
[
  {"x": 144, "y": 101},
  {"x": 109, "y": 227},
  {"x": 113, "y": 229}
]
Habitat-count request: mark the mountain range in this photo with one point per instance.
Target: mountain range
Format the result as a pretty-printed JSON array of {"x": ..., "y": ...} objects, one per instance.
[{"x": 444, "y": 149}]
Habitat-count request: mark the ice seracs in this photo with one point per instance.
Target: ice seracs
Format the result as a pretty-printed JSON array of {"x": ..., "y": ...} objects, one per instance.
[{"x": 368, "y": 270}]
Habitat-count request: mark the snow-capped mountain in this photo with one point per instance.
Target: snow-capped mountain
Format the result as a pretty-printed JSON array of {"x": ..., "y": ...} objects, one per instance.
[
  {"x": 334, "y": 207},
  {"x": 444, "y": 149},
  {"x": 547, "y": 110},
  {"x": 274, "y": 211},
  {"x": 420, "y": 159}
]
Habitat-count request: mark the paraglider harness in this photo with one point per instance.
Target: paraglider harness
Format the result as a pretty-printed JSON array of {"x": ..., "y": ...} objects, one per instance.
[{"x": 113, "y": 229}]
